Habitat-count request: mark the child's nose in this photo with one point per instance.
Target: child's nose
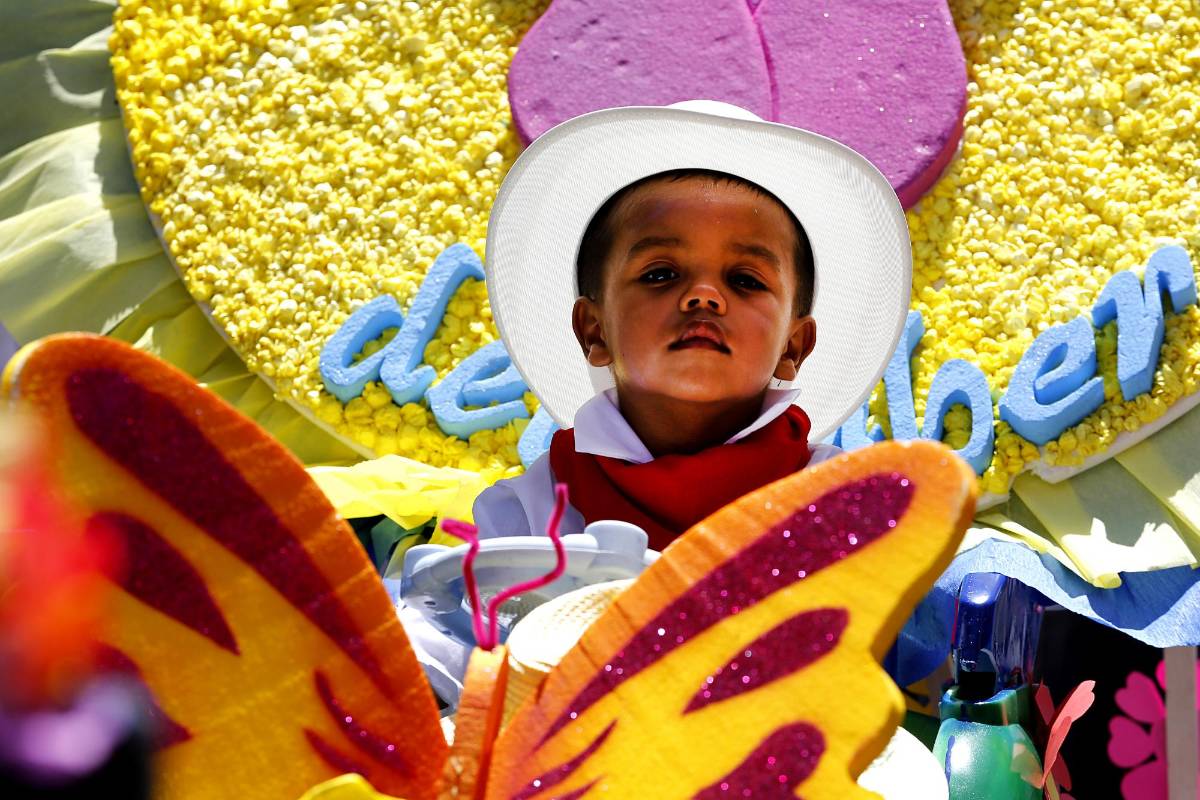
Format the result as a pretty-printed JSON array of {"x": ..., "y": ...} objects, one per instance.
[{"x": 702, "y": 295}]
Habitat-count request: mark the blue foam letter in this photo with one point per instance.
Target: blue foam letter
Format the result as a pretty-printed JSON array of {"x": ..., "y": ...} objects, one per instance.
[
  {"x": 854, "y": 434},
  {"x": 960, "y": 382},
  {"x": 1139, "y": 314},
  {"x": 1055, "y": 384},
  {"x": 897, "y": 380},
  {"x": 536, "y": 439},
  {"x": 404, "y": 379},
  {"x": 447, "y": 400},
  {"x": 345, "y": 380}
]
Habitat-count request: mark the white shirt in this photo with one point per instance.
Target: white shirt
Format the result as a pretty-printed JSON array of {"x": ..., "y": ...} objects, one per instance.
[{"x": 521, "y": 506}]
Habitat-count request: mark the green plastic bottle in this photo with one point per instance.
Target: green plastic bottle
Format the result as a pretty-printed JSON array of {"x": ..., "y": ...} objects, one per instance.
[{"x": 985, "y": 748}]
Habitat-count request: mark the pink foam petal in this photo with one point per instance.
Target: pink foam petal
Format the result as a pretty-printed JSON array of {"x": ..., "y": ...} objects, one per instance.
[
  {"x": 1147, "y": 782},
  {"x": 1075, "y": 706},
  {"x": 584, "y": 55},
  {"x": 1140, "y": 699},
  {"x": 1128, "y": 743},
  {"x": 888, "y": 79}
]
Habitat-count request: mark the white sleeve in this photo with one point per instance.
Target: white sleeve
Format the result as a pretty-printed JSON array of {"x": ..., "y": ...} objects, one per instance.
[
  {"x": 521, "y": 506},
  {"x": 822, "y": 452}
]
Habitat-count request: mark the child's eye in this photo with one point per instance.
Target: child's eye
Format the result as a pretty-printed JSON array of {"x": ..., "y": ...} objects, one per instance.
[
  {"x": 744, "y": 280},
  {"x": 658, "y": 274}
]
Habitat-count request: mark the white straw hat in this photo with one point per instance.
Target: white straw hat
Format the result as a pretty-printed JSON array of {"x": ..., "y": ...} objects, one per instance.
[{"x": 851, "y": 214}]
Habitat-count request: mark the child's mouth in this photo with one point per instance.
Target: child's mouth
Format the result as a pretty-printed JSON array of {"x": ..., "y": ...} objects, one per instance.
[{"x": 701, "y": 334}]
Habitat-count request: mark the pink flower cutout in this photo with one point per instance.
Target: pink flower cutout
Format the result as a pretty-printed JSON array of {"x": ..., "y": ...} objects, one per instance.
[{"x": 1134, "y": 747}]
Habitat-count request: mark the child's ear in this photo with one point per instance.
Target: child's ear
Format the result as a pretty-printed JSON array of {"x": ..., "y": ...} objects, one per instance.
[
  {"x": 585, "y": 320},
  {"x": 800, "y": 343}
]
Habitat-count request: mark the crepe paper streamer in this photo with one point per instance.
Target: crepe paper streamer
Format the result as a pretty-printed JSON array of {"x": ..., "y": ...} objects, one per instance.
[
  {"x": 1161, "y": 608},
  {"x": 1139, "y": 314},
  {"x": 961, "y": 382},
  {"x": 890, "y": 84},
  {"x": 489, "y": 639},
  {"x": 535, "y": 439},
  {"x": 1078, "y": 701},
  {"x": 1108, "y": 523},
  {"x": 448, "y": 400},
  {"x": 1055, "y": 384},
  {"x": 1168, "y": 465},
  {"x": 408, "y": 492},
  {"x": 396, "y": 363},
  {"x": 270, "y": 639},
  {"x": 847, "y": 545}
]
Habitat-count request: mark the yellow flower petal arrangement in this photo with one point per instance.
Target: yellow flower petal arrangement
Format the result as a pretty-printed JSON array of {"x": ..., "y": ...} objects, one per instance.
[{"x": 303, "y": 158}]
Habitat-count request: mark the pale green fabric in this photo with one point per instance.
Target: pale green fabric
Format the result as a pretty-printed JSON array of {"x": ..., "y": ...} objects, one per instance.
[{"x": 78, "y": 253}]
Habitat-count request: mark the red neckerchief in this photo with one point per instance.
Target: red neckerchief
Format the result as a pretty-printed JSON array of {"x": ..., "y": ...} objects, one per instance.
[{"x": 670, "y": 494}]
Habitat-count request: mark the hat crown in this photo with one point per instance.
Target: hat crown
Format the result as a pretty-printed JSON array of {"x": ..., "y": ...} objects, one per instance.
[{"x": 717, "y": 108}]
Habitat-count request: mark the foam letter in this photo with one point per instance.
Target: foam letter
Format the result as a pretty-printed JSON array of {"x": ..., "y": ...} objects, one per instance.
[
  {"x": 1139, "y": 314},
  {"x": 448, "y": 400},
  {"x": 897, "y": 380},
  {"x": 1055, "y": 385},
  {"x": 404, "y": 379},
  {"x": 536, "y": 439},
  {"x": 854, "y": 434},
  {"x": 960, "y": 382},
  {"x": 345, "y": 380}
]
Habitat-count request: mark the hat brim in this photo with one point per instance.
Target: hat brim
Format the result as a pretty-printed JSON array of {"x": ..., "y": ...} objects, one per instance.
[{"x": 853, "y": 219}]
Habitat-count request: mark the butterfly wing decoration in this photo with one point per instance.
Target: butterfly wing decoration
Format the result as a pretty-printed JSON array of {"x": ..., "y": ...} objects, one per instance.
[
  {"x": 745, "y": 661},
  {"x": 245, "y": 605}
]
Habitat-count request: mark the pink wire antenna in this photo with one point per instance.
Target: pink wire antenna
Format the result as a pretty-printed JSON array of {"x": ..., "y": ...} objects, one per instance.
[{"x": 489, "y": 638}]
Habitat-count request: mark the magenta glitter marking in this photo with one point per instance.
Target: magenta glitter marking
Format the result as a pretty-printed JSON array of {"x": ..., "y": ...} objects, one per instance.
[
  {"x": 159, "y": 575},
  {"x": 560, "y": 773},
  {"x": 777, "y": 766},
  {"x": 781, "y": 651},
  {"x": 161, "y": 447},
  {"x": 335, "y": 758},
  {"x": 167, "y": 731},
  {"x": 827, "y": 530},
  {"x": 370, "y": 743}
]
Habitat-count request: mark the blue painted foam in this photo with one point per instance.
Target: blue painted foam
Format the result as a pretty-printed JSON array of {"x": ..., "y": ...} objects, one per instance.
[
  {"x": 897, "y": 380},
  {"x": 536, "y": 439},
  {"x": 960, "y": 382},
  {"x": 1055, "y": 384},
  {"x": 854, "y": 434},
  {"x": 344, "y": 380},
  {"x": 508, "y": 385},
  {"x": 1139, "y": 314},
  {"x": 402, "y": 373},
  {"x": 447, "y": 401}
]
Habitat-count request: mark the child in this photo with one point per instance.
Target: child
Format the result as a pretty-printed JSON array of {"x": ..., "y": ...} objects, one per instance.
[
  {"x": 693, "y": 287},
  {"x": 695, "y": 257}
]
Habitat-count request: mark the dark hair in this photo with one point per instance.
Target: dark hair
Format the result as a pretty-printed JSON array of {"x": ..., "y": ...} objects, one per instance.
[{"x": 598, "y": 237}]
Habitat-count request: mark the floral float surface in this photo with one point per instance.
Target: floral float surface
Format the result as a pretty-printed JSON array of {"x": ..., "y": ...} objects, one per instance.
[{"x": 304, "y": 158}]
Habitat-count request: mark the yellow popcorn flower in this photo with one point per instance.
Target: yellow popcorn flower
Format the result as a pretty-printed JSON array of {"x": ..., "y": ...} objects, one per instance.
[
  {"x": 1077, "y": 161},
  {"x": 303, "y": 158}
]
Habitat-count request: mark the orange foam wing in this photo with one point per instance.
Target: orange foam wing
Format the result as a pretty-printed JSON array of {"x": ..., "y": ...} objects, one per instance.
[
  {"x": 480, "y": 712},
  {"x": 745, "y": 661},
  {"x": 246, "y": 604}
]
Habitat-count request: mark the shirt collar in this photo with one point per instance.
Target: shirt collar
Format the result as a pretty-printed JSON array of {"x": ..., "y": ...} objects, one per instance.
[{"x": 601, "y": 429}]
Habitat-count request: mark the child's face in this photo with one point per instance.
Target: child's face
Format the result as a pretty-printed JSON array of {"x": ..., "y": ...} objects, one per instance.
[{"x": 698, "y": 299}]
